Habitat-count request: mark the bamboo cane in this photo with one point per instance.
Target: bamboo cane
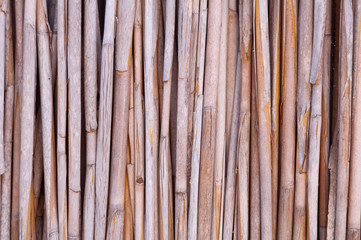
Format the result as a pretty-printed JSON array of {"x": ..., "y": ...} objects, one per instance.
[
  {"x": 255, "y": 206},
  {"x": 139, "y": 125},
  {"x": 151, "y": 119},
  {"x": 90, "y": 96},
  {"x": 288, "y": 120},
  {"x": 232, "y": 52},
  {"x": 325, "y": 126},
  {"x": 46, "y": 94},
  {"x": 197, "y": 129},
  {"x": 345, "y": 86},
  {"x": 181, "y": 199},
  {"x": 74, "y": 118},
  {"x": 264, "y": 117},
  {"x": 15, "y": 199},
  {"x": 124, "y": 35},
  {"x": 3, "y": 13},
  {"x": 304, "y": 55},
  {"x": 354, "y": 200},
  {"x": 164, "y": 144},
  {"x": 8, "y": 128},
  {"x": 219, "y": 164},
  {"x": 104, "y": 122},
  {"x": 61, "y": 118},
  {"x": 27, "y": 117},
  {"x": 230, "y": 195},
  {"x": 243, "y": 148},
  {"x": 316, "y": 119},
  {"x": 275, "y": 51},
  {"x": 209, "y": 120}
]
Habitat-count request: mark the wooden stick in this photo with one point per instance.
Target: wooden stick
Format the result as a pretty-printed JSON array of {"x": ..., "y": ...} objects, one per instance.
[
  {"x": 61, "y": 118},
  {"x": 15, "y": 199},
  {"x": 209, "y": 120},
  {"x": 104, "y": 122},
  {"x": 3, "y": 13},
  {"x": 345, "y": 86},
  {"x": 91, "y": 125},
  {"x": 8, "y": 128},
  {"x": 275, "y": 53},
  {"x": 264, "y": 118},
  {"x": 164, "y": 144},
  {"x": 124, "y": 35},
  {"x": 197, "y": 129},
  {"x": 231, "y": 183},
  {"x": 354, "y": 198},
  {"x": 288, "y": 121},
  {"x": 243, "y": 147},
  {"x": 139, "y": 125},
  {"x": 27, "y": 117},
  {"x": 304, "y": 54},
  {"x": 220, "y": 126},
  {"x": 74, "y": 118}
]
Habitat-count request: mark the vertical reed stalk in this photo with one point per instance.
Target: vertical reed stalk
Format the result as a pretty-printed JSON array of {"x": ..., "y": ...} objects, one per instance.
[
  {"x": 27, "y": 120},
  {"x": 104, "y": 121}
]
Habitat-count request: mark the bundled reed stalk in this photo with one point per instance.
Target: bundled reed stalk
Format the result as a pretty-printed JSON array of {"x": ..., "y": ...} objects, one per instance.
[
  {"x": 304, "y": 56},
  {"x": 27, "y": 120},
  {"x": 233, "y": 120},
  {"x": 104, "y": 122}
]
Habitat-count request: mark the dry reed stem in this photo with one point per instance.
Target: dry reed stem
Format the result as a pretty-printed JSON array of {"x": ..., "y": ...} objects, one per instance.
[
  {"x": 325, "y": 128},
  {"x": 138, "y": 125},
  {"x": 344, "y": 116},
  {"x": 208, "y": 144},
  {"x": 304, "y": 54},
  {"x": 91, "y": 124},
  {"x": 263, "y": 76},
  {"x": 104, "y": 122},
  {"x": 8, "y": 129},
  {"x": 288, "y": 119},
  {"x": 27, "y": 120}
]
